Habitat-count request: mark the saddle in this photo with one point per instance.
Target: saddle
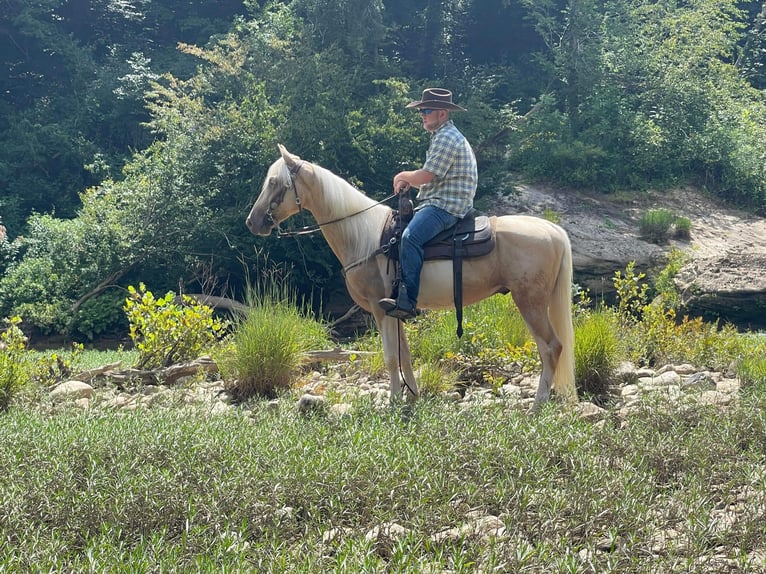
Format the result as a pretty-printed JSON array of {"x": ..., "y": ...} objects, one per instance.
[{"x": 472, "y": 236}]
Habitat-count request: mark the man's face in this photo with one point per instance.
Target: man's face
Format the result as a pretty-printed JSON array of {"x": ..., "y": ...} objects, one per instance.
[{"x": 432, "y": 119}]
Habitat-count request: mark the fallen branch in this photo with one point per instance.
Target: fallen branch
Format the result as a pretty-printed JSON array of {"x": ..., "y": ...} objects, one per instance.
[
  {"x": 166, "y": 375},
  {"x": 218, "y": 302},
  {"x": 91, "y": 374}
]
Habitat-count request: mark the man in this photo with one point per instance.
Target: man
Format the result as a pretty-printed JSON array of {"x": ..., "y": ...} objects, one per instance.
[{"x": 447, "y": 185}]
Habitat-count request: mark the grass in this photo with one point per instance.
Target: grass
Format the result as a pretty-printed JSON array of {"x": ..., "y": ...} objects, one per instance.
[
  {"x": 265, "y": 490},
  {"x": 260, "y": 488},
  {"x": 265, "y": 350}
]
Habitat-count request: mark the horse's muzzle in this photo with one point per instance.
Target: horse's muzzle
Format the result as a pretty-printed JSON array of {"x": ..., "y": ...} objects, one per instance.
[{"x": 260, "y": 226}]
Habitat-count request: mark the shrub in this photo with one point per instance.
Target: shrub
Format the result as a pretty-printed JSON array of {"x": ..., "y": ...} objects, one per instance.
[
  {"x": 664, "y": 286},
  {"x": 631, "y": 294},
  {"x": 655, "y": 225},
  {"x": 597, "y": 351},
  {"x": 268, "y": 342},
  {"x": 435, "y": 379},
  {"x": 165, "y": 332},
  {"x": 682, "y": 226},
  {"x": 13, "y": 373}
]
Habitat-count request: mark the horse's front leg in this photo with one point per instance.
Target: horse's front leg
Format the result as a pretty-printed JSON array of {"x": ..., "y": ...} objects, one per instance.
[{"x": 396, "y": 355}]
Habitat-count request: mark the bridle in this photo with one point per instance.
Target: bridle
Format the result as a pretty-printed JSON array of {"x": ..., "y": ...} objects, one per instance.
[{"x": 293, "y": 171}]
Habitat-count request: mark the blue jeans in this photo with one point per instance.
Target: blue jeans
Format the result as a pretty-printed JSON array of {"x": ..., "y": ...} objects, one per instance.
[{"x": 426, "y": 224}]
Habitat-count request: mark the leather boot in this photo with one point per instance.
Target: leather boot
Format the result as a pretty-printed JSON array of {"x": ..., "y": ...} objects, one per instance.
[{"x": 401, "y": 308}]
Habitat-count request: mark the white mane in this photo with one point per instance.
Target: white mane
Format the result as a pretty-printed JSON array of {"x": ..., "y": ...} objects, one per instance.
[{"x": 364, "y": 219}]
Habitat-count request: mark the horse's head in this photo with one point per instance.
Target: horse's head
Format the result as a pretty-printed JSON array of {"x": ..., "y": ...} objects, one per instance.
[{"x": 279, "y": 198}]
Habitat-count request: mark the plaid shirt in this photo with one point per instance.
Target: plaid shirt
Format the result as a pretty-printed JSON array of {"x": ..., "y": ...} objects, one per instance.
[{"x": 451, "y": 160}]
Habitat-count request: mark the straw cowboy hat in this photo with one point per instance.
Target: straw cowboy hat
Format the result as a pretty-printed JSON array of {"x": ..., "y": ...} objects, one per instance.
[{"x": 436, "y": 99}]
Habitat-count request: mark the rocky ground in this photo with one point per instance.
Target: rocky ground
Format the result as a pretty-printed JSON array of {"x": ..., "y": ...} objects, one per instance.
[{"x": 631, "y": 386}]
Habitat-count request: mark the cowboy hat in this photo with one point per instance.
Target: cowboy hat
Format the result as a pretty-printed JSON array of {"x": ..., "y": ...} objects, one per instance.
[{"x": 436, "y": 99}]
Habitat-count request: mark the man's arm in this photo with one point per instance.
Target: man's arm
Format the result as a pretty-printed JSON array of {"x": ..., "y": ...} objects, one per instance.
[{"x": 416, "y": 178}]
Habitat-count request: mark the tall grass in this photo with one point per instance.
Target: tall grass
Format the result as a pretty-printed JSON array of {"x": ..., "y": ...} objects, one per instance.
[
  {"x": 597, "y": 349},
  {"x": 267, "y": 490},
  {"x": 268, "y": 342}
]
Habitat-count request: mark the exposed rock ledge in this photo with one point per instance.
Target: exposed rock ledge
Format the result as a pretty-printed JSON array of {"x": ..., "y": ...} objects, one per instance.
[{"x": 726, "y": 273}]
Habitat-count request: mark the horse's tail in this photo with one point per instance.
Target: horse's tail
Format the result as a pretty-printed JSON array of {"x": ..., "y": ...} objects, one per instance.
[{"x": 561, "y": 318}]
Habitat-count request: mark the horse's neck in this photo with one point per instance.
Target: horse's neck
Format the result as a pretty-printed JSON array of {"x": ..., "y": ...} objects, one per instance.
[{"x": 354, "y": 230}]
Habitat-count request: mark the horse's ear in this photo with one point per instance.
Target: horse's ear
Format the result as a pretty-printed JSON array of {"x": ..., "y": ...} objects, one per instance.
[{"x": 290, "y": 159}]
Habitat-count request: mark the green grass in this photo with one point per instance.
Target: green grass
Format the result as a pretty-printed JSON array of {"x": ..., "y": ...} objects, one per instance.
[
  {"x": 266, "y": 348},
  {"x": 269, "y": 491}
]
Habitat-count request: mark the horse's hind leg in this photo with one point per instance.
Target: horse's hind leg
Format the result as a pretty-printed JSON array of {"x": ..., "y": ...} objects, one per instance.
[{"x": 549, "y": 347}]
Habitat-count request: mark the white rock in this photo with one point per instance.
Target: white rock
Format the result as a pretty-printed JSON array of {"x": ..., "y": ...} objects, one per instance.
[{"x": 71, "y": 390}]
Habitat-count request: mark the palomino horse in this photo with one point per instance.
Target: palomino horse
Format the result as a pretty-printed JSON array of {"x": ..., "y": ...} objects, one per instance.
[{"x": 532, "y": 260}]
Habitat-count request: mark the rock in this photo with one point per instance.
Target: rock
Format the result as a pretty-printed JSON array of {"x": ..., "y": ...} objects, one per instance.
[
  {"x": 71, "y": 390},
  {"x": 311, "y": 404},
  {"x": 590, "y": 412},
  {"x": 384, "y": 537},
  {"x": 725, "y": 272},
  {"x": 701, "y": 380}
]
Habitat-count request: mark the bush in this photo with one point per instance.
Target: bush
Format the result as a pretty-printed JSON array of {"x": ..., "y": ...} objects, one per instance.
[
  {"x": 682, "y": 227},
  {"x": 496, "y": 341},
  {"x": 13, "y": 374},
  {"x": 655, "y": 225},
  {"x": 165, "y": 332},
  {"x": 596, "y": 350},
  {"x": 266, "y": 348}
]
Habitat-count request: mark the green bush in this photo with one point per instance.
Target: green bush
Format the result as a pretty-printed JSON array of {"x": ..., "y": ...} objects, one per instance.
[
  {"x": 13, "y": 373},
  {"x": 597, "y": 351},
  {"x": 165, "y": 332},
  {"x": 267, "y": 345},
  {"x": 631, "y": 294},
  {"x": 752, "y": 371},
  {"x": 683, "y": 227},
  {"x": 655, "y": 225}
]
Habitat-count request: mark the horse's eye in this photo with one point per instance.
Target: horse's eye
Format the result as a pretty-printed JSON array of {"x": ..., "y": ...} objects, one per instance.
[{"x": 274, "y": 205}]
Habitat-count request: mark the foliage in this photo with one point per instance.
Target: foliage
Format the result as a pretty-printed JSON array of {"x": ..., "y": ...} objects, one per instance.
[
  {"x": 597, "y": 349},
  {"x": 683, "y": 227},
  {"x": 435, "y": 379},
  {"x": 655, "y": 225},
  {"x": 496, "y": 343},
  {"x": 659, "y": 225},
  {"x": 13, "y": 363},
  {"x": 655, "y": 335},
  {"x": 166, "y": 332},
  {"x": 664, "y": 286},
  {"x": 632, "y": 294},
  {"x": 266, "y": 348},
  {"x": 49, "y": 368},
  {"x": 751, "y": 371}
]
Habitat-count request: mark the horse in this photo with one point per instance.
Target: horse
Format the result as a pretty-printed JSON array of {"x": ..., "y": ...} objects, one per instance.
[{"x": 531, "y": 260}]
